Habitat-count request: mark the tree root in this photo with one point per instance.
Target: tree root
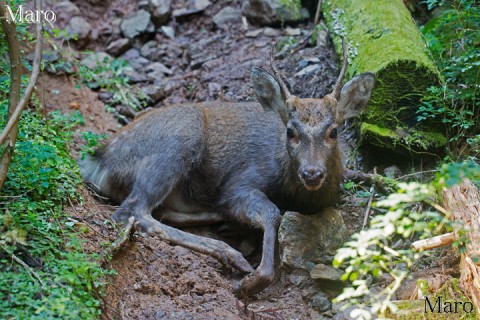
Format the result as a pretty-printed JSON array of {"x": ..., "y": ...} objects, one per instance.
[{"x": 115, "y": 247}]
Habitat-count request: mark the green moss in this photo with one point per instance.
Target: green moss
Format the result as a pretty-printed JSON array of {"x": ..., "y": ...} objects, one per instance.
[
  {"x": 383, "y": 39},
  {"x": 402, "y": 139}
]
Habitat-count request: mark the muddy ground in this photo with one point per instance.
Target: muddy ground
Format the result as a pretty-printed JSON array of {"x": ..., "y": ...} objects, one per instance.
[{"x": 155, "y": 280}]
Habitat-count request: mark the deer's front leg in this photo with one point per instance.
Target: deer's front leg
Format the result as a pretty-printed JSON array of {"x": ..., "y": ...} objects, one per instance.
[{"x": 254, "y": 208}]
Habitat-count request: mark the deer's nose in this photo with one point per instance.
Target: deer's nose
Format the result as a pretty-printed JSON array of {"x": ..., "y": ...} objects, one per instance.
[{"x": 312, "y": 175}]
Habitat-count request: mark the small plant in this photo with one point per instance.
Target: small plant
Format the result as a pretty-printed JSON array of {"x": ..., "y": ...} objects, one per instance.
[
  {"x": 109, "y": 74},
  {"x": 379, "y": 250},
  {"x": 452, "y": 37},
  {"x": 93, "y": 140}
]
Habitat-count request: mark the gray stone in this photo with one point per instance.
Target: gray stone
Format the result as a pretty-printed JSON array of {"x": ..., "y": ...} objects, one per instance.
[
  {"x": 118, "y": 47},
  {"x": 268, "y": 12},
  {"x": 136, "y": 24},
  {"x": 197, "y": 7},
  {"x": 160, "y": 10},
  {"x": 156, "y": 71},
  {"x": 308, "y": 70},
  {"x": 322, "y": 38},
  {"x": 306, "y": 240},
  {"x": 322, "y": 271},
  {"x": 292, "y": 32},
  {"x": 134, "y": 76},
  {"x": 320, "y": 302},
  {"x": 149, "y": 49},
  {"x": 213, "y": 89},
  {"x": 168, "y": 31},
  {"x": 94, "y": 60},
  {"x": 154, "y": 92},
  {"x": 80, "y": 29},
  {"x": 392, "y": 172},
  {"x": 131, "y": 54},
  {"x": 253, "y": 33},
  {"x": 67, "y": 9},
  {"x": 201, "y": 4},
  {"x": 227, "y": 15},
  {"x": 270, "y": 32}
]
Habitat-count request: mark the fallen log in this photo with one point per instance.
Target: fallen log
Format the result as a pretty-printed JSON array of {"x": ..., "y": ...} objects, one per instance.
[
  {"x": 384, "y": 39},
  {"x": 463, "y": 201}
]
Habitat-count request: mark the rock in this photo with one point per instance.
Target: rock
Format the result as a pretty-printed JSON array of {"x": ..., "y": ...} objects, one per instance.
[
  {"x": 292, "y": 32},
  {"x": 118, "y": 47},
  {"x": 269, "y": 12},
  {"x": 66, "y": 10},
  {"x": 139, "y": 63},
  {"x": 160, "y": 10},
  {"x": 197, "y": 7},
  {"x": 253, "y": 33},
  {"x": 168, "y": 31},
  {"x": 270, "y": 32},
  {"x": 392, "y": 172},
  {"x": 136, "y": 24},
  {"x": 131, "y": 54},
  {"x": 201, "y": 4},
  {"x": 213, "y": 89},
  {"x": 94, "y": 60},
  {"x": 322, "y": 271},
  {"x": 322, "y": 38},
  {"x": 227, "y": 15},
  {"x": 149, "y": 50},
  {"x": 80, "y": 29},
  {"x": 105, "y": 96},
  {"x": 154, "y": 92},
  {"x": 308, "y": 70},
  {"x": 306, "y": 240},
  {"x": 134, "y": 76},
  {"x": 320, "y": 302},
  {"x": 156, "y": 71}
]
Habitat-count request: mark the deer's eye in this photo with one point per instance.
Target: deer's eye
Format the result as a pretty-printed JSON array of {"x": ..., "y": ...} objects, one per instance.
[
  {"x": 290, "y": 133},
  {"x": 333, "y": 133}
]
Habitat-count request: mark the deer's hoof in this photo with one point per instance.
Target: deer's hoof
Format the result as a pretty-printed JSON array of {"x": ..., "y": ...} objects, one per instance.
[{"x": 254, "y": 283}]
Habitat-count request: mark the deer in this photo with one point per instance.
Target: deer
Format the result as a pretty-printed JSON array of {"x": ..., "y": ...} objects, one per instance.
[{"x": 198, "y": 163}]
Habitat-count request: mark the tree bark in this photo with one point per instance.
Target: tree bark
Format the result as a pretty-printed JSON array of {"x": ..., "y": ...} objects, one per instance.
[{"x": 463, "y": 201}]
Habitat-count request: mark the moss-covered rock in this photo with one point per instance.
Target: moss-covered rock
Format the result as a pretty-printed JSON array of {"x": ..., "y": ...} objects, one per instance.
[{"x": 383, "y": 38}]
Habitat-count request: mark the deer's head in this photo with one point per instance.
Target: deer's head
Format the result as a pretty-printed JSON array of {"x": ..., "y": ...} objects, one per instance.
[{"x": 312, "y": 124}]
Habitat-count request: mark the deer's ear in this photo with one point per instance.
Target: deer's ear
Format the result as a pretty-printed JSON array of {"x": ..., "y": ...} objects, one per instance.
[
  {"x": 269, "y": 92},
  {"x": 354, "y": 96}
]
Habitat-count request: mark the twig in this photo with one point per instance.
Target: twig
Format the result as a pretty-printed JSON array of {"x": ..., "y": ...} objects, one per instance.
[
  {"x": 369, "y": 206},
  {"x": 317, "y": 13},
  {"x": 435, "y": 242},
  {"x": 24, "y": 265},
  {"x": 416, "y": 173},
  {"x": 302, "y": 43},
  {"x": 121, "y": 240}
]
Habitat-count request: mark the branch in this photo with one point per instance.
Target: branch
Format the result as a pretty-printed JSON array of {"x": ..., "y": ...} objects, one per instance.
[
  {"x": 24, "y": 265},
  {"x": 10, "y": 132},
  {"x": 434, "y": 242}
]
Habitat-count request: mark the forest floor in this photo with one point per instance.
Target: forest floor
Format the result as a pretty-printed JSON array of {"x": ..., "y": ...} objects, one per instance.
[{"x": 156, "y": 280}]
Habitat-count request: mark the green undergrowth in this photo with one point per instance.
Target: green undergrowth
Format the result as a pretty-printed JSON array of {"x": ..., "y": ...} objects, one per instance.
[
  {"x": 44, "y": 273},
  {"x": 42, "y": 179}
]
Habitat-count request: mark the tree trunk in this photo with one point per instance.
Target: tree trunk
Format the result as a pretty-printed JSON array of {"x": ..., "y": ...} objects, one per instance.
[
  {"x": 384, "y": 39},
  {"x": 463, "y": 201}
]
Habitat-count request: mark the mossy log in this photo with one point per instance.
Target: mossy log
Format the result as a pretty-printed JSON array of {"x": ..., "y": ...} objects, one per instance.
[{"x": 383, "y": 38}]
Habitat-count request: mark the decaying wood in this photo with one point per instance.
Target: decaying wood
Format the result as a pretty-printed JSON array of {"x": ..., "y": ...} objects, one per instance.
[
  {"x": 435, "y": 242},
  {"x": 463, "y": 201}
]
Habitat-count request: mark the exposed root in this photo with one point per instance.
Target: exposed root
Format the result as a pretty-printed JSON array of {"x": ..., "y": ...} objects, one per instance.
[{"x": 33, "y": 274}]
